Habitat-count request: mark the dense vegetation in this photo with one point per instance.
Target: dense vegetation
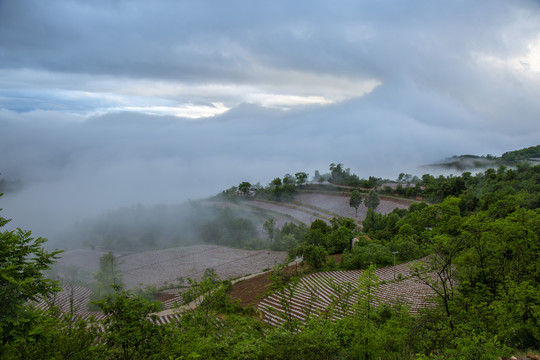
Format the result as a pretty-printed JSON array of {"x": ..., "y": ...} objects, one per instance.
[
  {"x": 481, "y": 232},
  {"x": 532, "y": 152},
  {"x": 510, "y": 158}
]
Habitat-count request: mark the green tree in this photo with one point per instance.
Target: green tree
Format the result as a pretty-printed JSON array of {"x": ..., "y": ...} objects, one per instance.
[
  {"x": 355, "y": 201},
  {"x": 439, "y": 271},
  {"x": 244, "y": 187},
  {"x": 301, "y": 178},
  {"x": 288, "y": 179},
  {"x": 270, "y": 227},
  {"x": 130, "y": 332},
  {"x": 372, "y": 200},
  {"x": 106, "y": 278},
  {"x": 276, "y": 183},
  {"x": 368, "y": 284},
  {"x": 22, "y": 262},
  {"x": 313, "y": 255}
]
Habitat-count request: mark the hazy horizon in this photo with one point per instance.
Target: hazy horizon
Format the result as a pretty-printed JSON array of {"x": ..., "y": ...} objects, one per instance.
[{"x": 106, "y": 104}]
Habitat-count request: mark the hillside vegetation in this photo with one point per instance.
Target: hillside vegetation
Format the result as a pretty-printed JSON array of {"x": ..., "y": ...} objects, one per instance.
[
  {"x": 471, "y": 162},
  {"x": 476, "y": 239}
]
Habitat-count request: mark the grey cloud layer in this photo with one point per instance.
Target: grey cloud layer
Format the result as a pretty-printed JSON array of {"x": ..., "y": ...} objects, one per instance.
[
  {"x": 209, "y": 40},
  {"x": 403, "y": 83},
  {"x": 56, "y": 49}
]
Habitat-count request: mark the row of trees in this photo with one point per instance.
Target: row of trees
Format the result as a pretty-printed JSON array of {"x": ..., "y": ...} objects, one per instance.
[
  {"x": 372, "y": 200},
  {"x": 283, "y": 189}
]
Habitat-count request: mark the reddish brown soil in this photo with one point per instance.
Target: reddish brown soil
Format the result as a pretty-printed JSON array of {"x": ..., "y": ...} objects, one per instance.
[
  {"x": 251, "y": 291},
  {"x": 164, "y": 297}
]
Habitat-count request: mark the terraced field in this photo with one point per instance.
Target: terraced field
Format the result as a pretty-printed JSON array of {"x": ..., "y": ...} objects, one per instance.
[
  {"x": 339, "y": 205},
  {"x": 74, "y": 299},
  {"x": 307, "y": 207},
  {"x": 336, "y": 291},
  {"x": 165, "y": 266},
  {"x": 315, "y": 292}
]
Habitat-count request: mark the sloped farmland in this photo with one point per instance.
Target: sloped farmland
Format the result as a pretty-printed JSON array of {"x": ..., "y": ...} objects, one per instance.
[
  {"x": 161, "y": 267},
  {"x": 338, "y": 204},
  {"x": 335, "y": 293},
  {"x": 73, "y": 299}
]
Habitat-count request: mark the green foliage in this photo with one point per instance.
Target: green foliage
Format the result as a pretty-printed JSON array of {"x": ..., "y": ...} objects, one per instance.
[
  {"x": 56, "y": 336},
  {"x": 244, "y": 187},
  {"x": 339, "y": 240},
  {"x": 106, "y": 279},
  {"x": 288, "y": 236},
  {"x": 341, "y": 176},
  {"x": 356, "y": 200},
  {"x": 476, "y": 347},
  {"x": 313, "y": 255},
  {"x": 279, "y": 190},
  {"x": 269, "y": 227},
  {"x": 372, "y": 200},
  {"x": 332, "y": 239},
  {"x": 22, "y": 262},
  {"x": 362, "y": 257},
  {"x": 130, "y": 333},
  {"x": 523, "y": 154},
  {"x": 301, "y": 178}
]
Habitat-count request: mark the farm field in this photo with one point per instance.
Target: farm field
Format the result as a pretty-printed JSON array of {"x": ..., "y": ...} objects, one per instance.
[
  {"x": 308, "y": 207},
  {"x": 316, "y": 293},
  {"x": 160, "y": 267},
  {"x": 340, "y": 204},
  {"x": 164, "y": 267},
  {"x": 74, "y": 299}
]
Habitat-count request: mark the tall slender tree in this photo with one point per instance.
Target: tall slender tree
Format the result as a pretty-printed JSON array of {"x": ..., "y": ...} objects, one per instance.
[
  {"x": 372, "y": 200},
  {"x": 355, "y": 201}
]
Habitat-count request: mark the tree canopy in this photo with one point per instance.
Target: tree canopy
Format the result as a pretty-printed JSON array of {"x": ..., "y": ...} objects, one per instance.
[
  {"x": 356, "y": 200},
  {"x": 22, "y": 262}
]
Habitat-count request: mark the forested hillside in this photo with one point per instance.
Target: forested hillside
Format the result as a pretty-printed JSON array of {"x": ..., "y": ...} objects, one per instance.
[
  {"x": 478, "y": 235},
  {"x": 472, "y": 162}
]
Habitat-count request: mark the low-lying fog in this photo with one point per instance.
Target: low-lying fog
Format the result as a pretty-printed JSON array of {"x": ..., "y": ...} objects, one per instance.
[{"x": 74, "y": 169}]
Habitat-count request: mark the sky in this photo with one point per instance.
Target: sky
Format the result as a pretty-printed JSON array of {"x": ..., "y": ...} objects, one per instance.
[{"x": 112, "y": 103}]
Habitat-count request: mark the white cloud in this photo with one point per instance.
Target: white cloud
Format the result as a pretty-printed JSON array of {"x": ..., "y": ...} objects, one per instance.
[
  {"x": 189, "y": 111},
  {"x": 286, "y": 101},
  {"x": 92, "y": 95},
  {"x": 525, "y": 64}
]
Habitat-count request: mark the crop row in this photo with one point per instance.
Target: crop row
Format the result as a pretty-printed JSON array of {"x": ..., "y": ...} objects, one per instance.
[{"x": 335, "y": 294}]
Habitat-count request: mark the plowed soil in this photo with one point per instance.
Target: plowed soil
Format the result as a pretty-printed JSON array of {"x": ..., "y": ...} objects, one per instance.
[{"x": 250, "y": 292}]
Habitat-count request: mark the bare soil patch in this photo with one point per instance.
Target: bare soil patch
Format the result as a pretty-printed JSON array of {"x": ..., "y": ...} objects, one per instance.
[{"x": 250, "y": 292}]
